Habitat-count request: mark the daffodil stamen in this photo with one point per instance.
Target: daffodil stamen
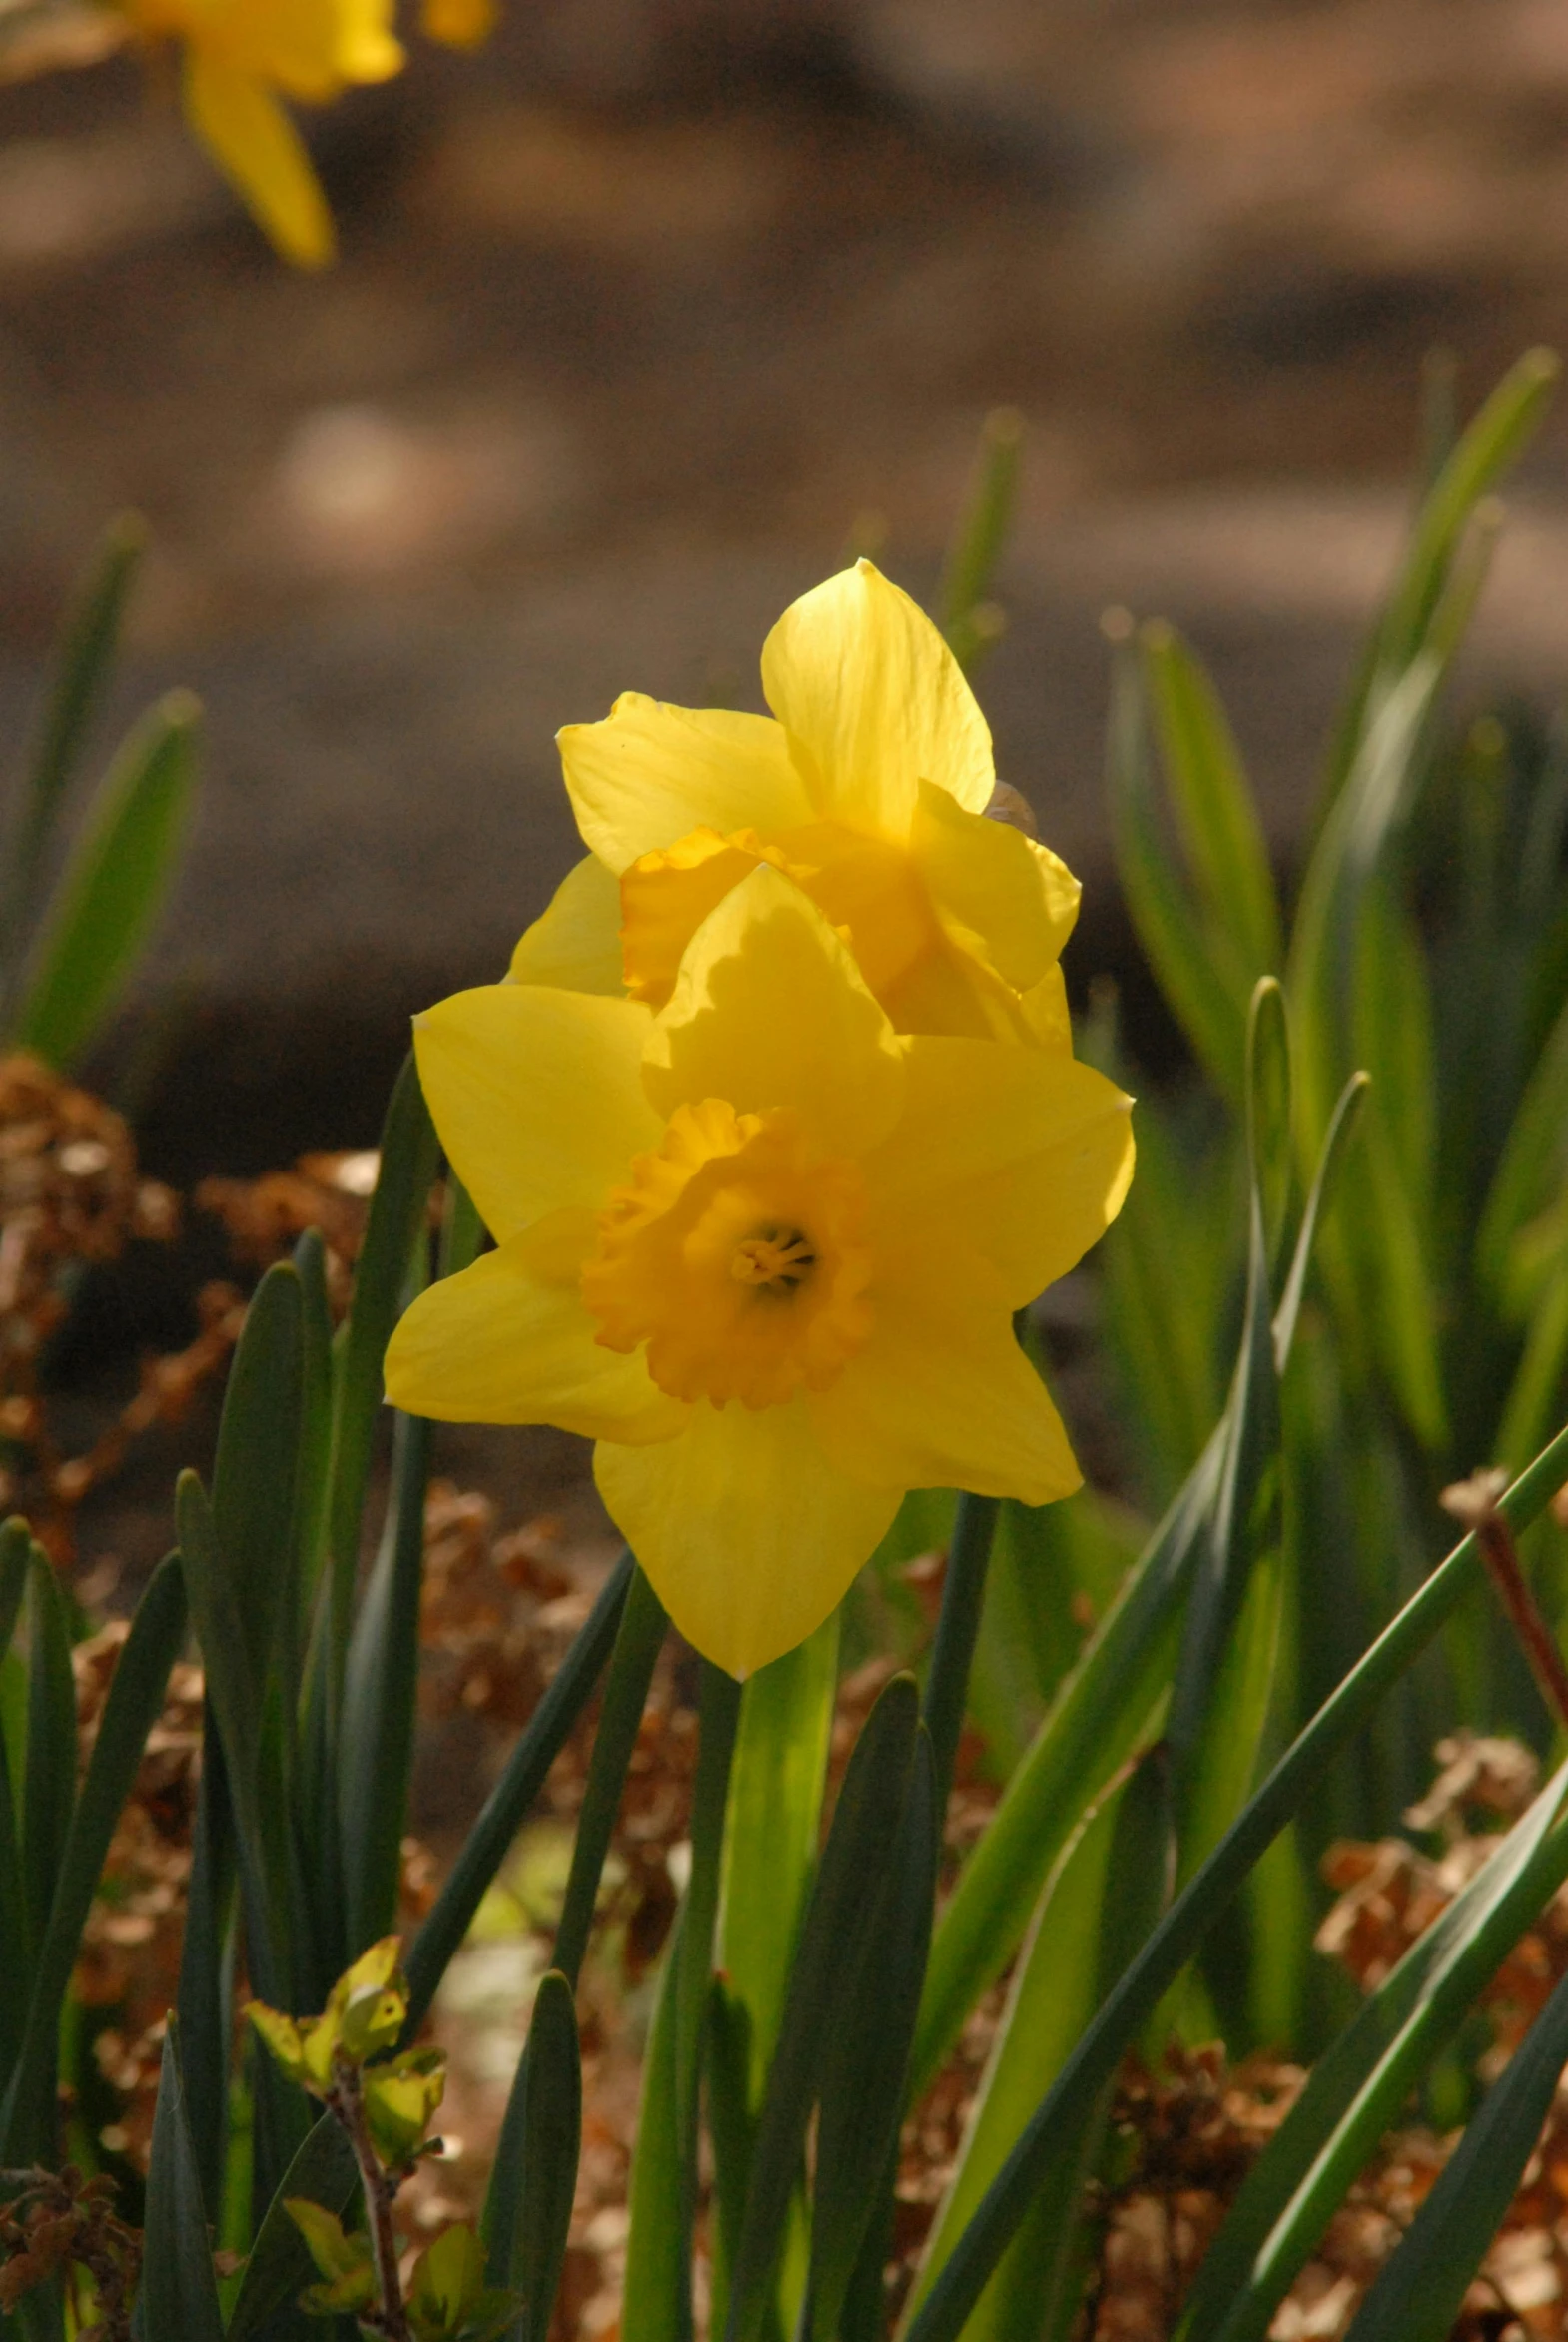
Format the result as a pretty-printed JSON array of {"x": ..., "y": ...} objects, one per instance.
[
  {"x": 777, "y": 1259},
  {"x": 697, "y": 1254}
]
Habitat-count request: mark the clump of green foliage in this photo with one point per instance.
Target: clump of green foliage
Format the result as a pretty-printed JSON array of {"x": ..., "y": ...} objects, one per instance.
[{"x": 1328, "y": 1298}]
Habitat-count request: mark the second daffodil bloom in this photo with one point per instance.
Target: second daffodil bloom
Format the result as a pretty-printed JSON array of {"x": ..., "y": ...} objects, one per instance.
[
  {"x": 763, "y": 1250},
  {"x": 241, "y": 57},
  {"x": 867, "y": 788}
]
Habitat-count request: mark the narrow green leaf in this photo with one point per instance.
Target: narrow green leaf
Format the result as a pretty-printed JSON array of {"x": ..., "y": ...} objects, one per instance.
[
  {"x": 314, "y": 1455},
  {"x": 655, "y": 2304},
  {"x": 16, "y": 1547},
  {"x": 1225, "y": 1675},
  {"x": 113, "y": 886},
  {"x": 1533, "y": 1396},
  {"x": 16, "y": 1934},
  {"x": 1358, "y": 2088},
  {"x": 409, "y": 1159},
  {"x": 178, "y": 2290},
  {"x": 1208, "y": 999},
  {"x": 1048, "y": 1562},
  {"x": 235, "y": 1698},
  {"x": 963, "y": 613},
  {"x": 639, "y": 1642},
  {"x": 49, "y": 1791},
  {"x": 254, "y": 1474},
  {"x": 1491, "y": 445},
  {"x": 1214, "y": 806},
  {"x": 381, "y": 1689},
  {"x": 1208, "y": 1895},
  {"x": 1380, "y": 1278},
  {"x": 487, "y": 1843},
  {"x": 1492, "y": 441},
  {"x": 133, "y": 1706},
  {"x": 640, "y": 1639},
  {"x": 663, "y": 2193},
  {"x": 775, "y": 1818},
  {"x": 1321, "y": 1195},
  {"x": 1418, "y": 2294},
  {"x": 1034, "y": 2292},
  {"x": 958, "y": 1625},
  {"x": 86, "y": 654},
  {"x": 866, "y": 2068},
  {"x": 1054, "y": 1991},
  {"x": 875, "y": 1785},
  {"x": 727, "y": 2067},
  {"x": 1168, "y": 1264},
  {"x": 1105, "y": 1707},
  {"x": 278, "y": 2266},
  {"x": 719, "y": 1702},
  {"x": 205, "y": 2000},
  {"x": 528, "y": 2210},
  {"x": 1530, "y": 1168},
  {"x": 1269, "y": 1108}
]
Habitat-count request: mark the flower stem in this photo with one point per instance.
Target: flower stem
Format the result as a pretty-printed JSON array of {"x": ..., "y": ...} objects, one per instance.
[
  {"x": 347, "y": 2101},
  {"x": 963, "y": 1595},
  {"x": 1474, "y": 1502}
]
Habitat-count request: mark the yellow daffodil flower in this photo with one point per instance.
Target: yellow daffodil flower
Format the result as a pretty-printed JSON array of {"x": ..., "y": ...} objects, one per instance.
[
  {"x": 239, "y": 58},
  {"x": 763, "y": 1250},
  {"x": 867, "y": 788}
]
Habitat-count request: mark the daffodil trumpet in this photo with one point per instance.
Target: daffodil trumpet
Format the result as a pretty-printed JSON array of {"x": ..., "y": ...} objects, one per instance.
[
  {"x": 761, "y": 1247},
  {"x": 867, "y": 788}
]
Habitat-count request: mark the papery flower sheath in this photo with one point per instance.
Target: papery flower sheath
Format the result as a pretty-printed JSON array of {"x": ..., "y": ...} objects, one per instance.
[
  {"x": 763, "y": 1250},
  {"x": 867, "y": 788},
  {"x": 240, "y": 57}
]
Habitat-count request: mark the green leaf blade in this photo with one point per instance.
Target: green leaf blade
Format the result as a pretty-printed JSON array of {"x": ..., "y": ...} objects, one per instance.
[
  {"x": 178, "y": 2290},
  {"x": 113, "y": 886}
]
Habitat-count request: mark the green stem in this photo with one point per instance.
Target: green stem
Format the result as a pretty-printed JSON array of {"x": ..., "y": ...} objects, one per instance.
[
  {"x": 643, "y": 1626},
  {"x": 347, "y": 2101},
  {"x": 963, "y": 1597},
  {"x": 720, "y": 1716}
]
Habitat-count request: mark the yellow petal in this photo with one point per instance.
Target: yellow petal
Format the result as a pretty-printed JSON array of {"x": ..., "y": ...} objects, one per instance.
[
  {"x": 1024, "y": 1153},
  {"x": 576, "y": 942},
  {"x": 770, "y": 1010},
  {"x": 749, "y": 1534},
  {"x": 649, "y": 773},
  {"x": 368, "y": 47},
  {"x": 259, "y": 150},
  {"x": 510, "y": 1341},
  {"x": 461, "y": 24},
  {"x": 993, "y": 888},
  {"x": 1046, "y": 1011},
  {"x": 536, "y": 1095},
  {"x": 308, "y": 48},
  {"x": 943, "y": 1397},
  {"x": 874, "y": 702}
]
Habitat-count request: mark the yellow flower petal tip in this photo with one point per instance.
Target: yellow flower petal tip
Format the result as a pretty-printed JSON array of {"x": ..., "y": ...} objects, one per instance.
[
  {"x": 761, "y": 1247},
  {"x": 868, "y": 788},
  {"x": 240, "y": 59}
]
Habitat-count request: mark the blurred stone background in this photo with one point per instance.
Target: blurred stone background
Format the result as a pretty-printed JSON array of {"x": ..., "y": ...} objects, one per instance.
[{"x": 646, "y": 317}]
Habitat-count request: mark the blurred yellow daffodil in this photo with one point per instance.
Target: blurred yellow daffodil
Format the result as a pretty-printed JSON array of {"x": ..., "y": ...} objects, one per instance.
[
  {"x": 867, "y": 789},
  {"x": 763, "y": 1250},
  {"x": 241, "y": 57}
]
